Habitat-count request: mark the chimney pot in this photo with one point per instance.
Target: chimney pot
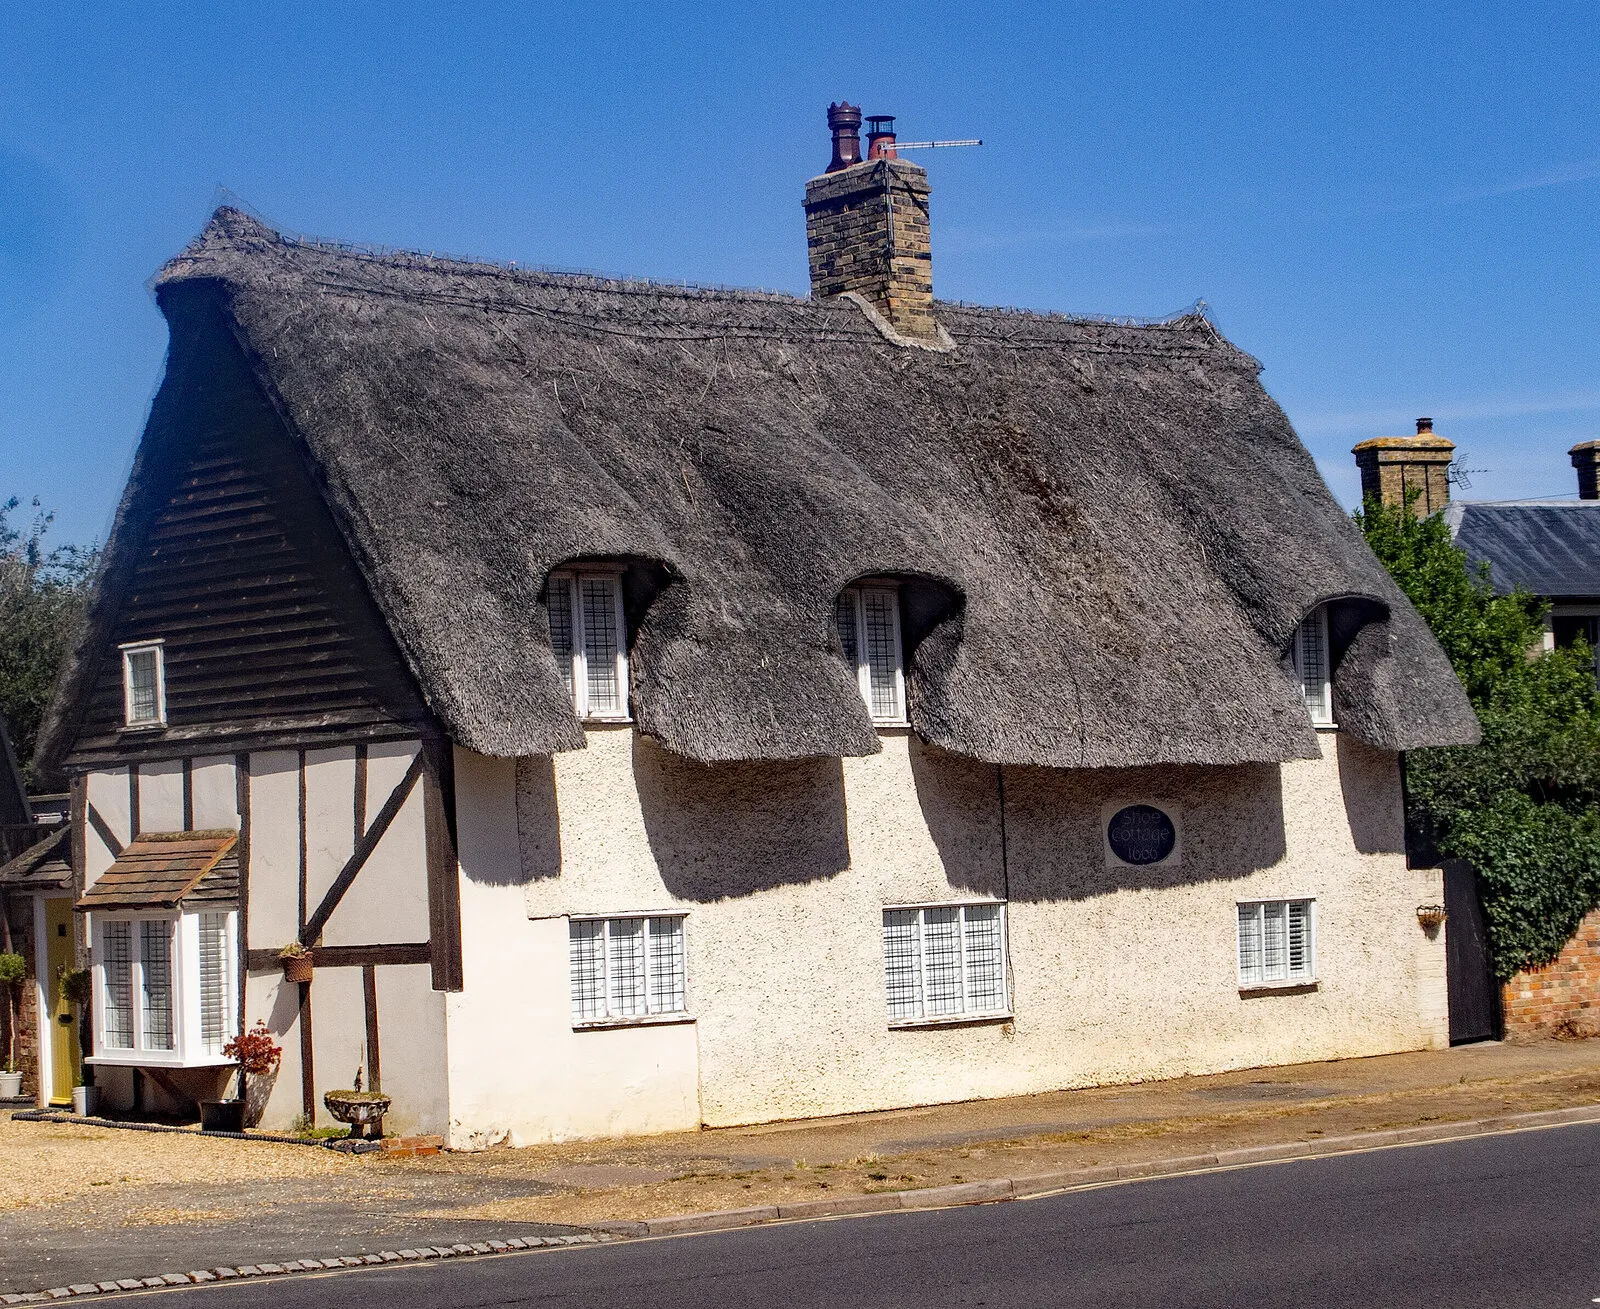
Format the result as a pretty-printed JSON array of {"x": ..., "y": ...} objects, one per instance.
[
  {"x": 880, "y": 137},
  {"x": 844, "y": 121},
  {"x": 1424, "y": 425}
]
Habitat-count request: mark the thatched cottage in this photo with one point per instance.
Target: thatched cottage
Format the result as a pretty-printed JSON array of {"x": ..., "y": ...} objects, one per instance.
[{"x": 655, "y": 706}]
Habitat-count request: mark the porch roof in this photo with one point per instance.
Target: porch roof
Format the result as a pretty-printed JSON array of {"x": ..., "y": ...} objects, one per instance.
[{"x": 158, "y": 870}]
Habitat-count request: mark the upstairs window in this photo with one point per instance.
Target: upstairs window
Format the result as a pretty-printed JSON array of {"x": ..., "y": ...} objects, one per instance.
[
  {"x": 588, "y": 634},
  {"x": 144, "y": 689},
  {"x": 868, "y": 619},
  {"x": 1311, "y": 666}
]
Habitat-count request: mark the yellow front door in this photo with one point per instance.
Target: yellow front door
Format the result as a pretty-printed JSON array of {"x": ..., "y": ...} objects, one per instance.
[{"x": 64, "y": 1052}]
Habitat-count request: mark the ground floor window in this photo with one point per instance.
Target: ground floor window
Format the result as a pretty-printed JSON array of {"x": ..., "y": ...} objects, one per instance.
[
  {"x": 165, "y": 983},
  {"x": 943, "y": 962},
  {"x": 1276, "y": 942},
  {"x": 625, "y": 968}
]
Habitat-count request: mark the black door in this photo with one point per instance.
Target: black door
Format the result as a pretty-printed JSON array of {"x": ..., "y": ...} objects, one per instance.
[{"x": 1474, "y": 992}]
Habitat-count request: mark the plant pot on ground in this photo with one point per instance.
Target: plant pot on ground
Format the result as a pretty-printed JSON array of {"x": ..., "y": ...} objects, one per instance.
[
  {"x": 10, "y": 1086},
  {"x": 13, "y": 968},
  {"x": 258, "y": 1056},
  {"x": 85, "y": 1100},
  {"x": 222, "y": 1115}
]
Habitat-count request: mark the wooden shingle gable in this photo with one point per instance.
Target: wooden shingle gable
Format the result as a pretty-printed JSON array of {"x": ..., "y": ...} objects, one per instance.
[{"x": 226, "y": 552}]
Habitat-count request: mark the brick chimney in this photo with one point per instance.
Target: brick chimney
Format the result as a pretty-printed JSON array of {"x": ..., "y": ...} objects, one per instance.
[
  {"x": 867, "y": 226},
  {"x": 1586, "y": 459},
  {"x": 1392, "y": 466}
]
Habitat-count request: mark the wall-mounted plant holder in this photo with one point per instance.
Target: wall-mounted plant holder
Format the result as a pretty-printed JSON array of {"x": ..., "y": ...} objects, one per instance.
[{"x": 1432, "y": 917}]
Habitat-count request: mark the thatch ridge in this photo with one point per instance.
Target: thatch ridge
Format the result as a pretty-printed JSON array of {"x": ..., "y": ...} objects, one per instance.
[{"x": 1125, "y": 519}]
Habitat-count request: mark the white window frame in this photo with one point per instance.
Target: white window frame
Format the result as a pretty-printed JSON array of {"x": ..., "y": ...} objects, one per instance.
[
  {"x": 572, "y": 579},
  {"x": 965, "y": 1016},
  {"x": 856, "y": 594},
  {"x": 1322, "y": 717},
  {"x": 129, "y": 650},
  {"x": 188, "y": 1048},
  {"x": 651, "y": 1017},
  {"x": 1290, "y": 981}
]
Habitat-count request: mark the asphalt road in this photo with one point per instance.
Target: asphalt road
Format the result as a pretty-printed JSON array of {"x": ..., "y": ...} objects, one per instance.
[{"x": 1508, "y": 1220}]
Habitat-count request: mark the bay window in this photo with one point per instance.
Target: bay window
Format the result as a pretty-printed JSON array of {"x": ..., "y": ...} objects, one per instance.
[{"x": 165, "y": 990}]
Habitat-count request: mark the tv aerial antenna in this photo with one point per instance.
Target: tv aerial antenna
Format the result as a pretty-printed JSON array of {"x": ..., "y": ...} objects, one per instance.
[{"x": 881, "y": 144}]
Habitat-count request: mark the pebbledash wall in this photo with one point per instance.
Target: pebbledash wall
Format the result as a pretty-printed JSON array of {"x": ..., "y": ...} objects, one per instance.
[
  {"x": 1564, "y": 995},
  {"x": 314, "y": 791},
  {"x": 783, "y": 870}
]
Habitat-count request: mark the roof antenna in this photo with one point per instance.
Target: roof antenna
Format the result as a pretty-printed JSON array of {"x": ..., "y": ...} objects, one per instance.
[{"x": 881, "y": 144}]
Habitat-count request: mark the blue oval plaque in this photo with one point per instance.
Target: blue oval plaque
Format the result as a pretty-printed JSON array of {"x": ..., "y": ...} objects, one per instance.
[{"x": 1141, "y": 834}]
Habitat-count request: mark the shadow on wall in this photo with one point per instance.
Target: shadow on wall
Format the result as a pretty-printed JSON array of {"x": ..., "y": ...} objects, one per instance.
[
  {"x": 538, "y": 824},
  {"x": 722, "y": 830},
  {"x": 1369, "y": 779},
  {"x": 1231, "y": 822}
]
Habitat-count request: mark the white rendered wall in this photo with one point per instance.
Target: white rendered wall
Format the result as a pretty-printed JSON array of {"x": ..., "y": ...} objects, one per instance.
[
  {"x": 518, "y": 1071},
  {"x": 784, "y": 869}
]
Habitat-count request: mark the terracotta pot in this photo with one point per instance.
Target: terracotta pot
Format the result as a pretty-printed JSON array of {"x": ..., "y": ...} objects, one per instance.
[{"x": 297, "y": 967}]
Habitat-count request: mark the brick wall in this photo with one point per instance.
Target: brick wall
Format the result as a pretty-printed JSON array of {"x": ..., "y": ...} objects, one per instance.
[
  {"x": 1564, "y": 995},
  {"x": 27, "y": 995}
]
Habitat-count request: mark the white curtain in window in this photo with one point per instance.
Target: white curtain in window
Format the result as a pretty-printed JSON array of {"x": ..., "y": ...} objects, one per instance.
[
  {"x": 558, "y": 605},
  {"x": 628, "y": 967},
  {"x": 215, "y": 1028},
  {"x": 1311, "y": 657},
  {"x": 880, "y": 608},
  {"x": 601, "y": 644},
  {"x": 1275, "y": 941},
  {"x": 944, "y": 961},
  {"x": 588, "y": 970},
  {"x": 902, "y": 962}
]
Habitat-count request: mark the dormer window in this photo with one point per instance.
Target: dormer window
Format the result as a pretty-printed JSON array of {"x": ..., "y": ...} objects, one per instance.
[
  {"x": 144, "y": 685},
  {"x": 868, "y": 619},
  {"x": 1311, "y": 665},
  {"x": 588, "y": 634}
]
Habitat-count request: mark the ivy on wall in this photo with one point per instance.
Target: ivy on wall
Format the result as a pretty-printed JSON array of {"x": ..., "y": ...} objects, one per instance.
[{"x": 1524, "y": 806}]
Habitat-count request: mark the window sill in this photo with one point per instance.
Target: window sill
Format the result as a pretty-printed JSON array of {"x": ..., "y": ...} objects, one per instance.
[
  {"x": 949, "y": 1020},
  {"x": 129, "y": 728},
  {"x": 1299, "y": 987},
  {"x": 159, "y": 1059},
  {"x": 646, "y": 1020},
  {"x": 892, "y": 724},
  {"x": 595, "y": 720}
]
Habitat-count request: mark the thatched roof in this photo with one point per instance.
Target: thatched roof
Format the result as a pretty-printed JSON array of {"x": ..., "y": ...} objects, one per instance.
[{"x": 1118, "y": 526}]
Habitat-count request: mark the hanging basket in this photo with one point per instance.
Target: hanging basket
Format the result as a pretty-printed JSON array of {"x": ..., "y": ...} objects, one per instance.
[
  {"x": 297, "y": 967},
  {"x": 1431, "y": 916}
]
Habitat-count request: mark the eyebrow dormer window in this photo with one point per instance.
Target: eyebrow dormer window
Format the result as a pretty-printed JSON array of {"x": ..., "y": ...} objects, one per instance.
[
  {"x": 588, "y": 635},
  {"x": 868, "y": 619},
  {"x": 144, "y": 685},
  {"x": 1311, "y": 666}
]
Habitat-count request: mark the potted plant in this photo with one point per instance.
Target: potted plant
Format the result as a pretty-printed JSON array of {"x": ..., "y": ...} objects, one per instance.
[
  {"x": 297, "y": 962},
  {"x": 76, "y": 985},
  {"x": 258, "y": 1055},
  {"x": 13, "y": 968}
]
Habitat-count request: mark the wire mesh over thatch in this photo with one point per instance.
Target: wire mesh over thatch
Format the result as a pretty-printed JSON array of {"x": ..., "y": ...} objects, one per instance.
[{"x": 1112, "y": 529}]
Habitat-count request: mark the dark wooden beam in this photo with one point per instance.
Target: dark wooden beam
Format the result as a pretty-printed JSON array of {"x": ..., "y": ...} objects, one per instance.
[
  {"x": 103, "y": 830},
  {"x": 359, "y": 856},
  {"x": 308, "y": 1079},
  {"x": 241, "y": 796},
  {"x": 135, "y": 813},
  {"x": 345, "y": 956},
  {"x": 78, "y": 813},
  {"x": 444, "y": 887},
  {"x": 360, "y": 814},
  {"x": 188, "y": 794},
  {"x": 369, "y": 993}
]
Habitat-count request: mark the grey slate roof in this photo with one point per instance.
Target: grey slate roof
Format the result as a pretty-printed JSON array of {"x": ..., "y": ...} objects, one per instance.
[
  {"x": 1549, "y": 547},
  {"x": 1125, "y": 524}
]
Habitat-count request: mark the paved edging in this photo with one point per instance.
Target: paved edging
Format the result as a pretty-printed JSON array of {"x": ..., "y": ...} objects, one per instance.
[
  {"x": 932, "y": 1197},
  {"x": 202, "y": 1275},
  {"x": 1017, "y": 1188}
]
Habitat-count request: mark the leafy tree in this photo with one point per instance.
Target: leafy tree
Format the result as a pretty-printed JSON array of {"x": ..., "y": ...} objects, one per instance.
[
  {"x": 1524, "y": 806},
  {"x": 43, "y": 593}
]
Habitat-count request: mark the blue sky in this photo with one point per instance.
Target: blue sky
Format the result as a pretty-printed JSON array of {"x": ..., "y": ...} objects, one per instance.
[{"x": 1392, "y": 206}]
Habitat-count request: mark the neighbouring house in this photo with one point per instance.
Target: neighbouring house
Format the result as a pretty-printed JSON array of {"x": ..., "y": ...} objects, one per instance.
[
  {"x": 36, "y": 923},
  {"x": 653, "y": 706},
  {"x": 1550, "y": 547}
]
